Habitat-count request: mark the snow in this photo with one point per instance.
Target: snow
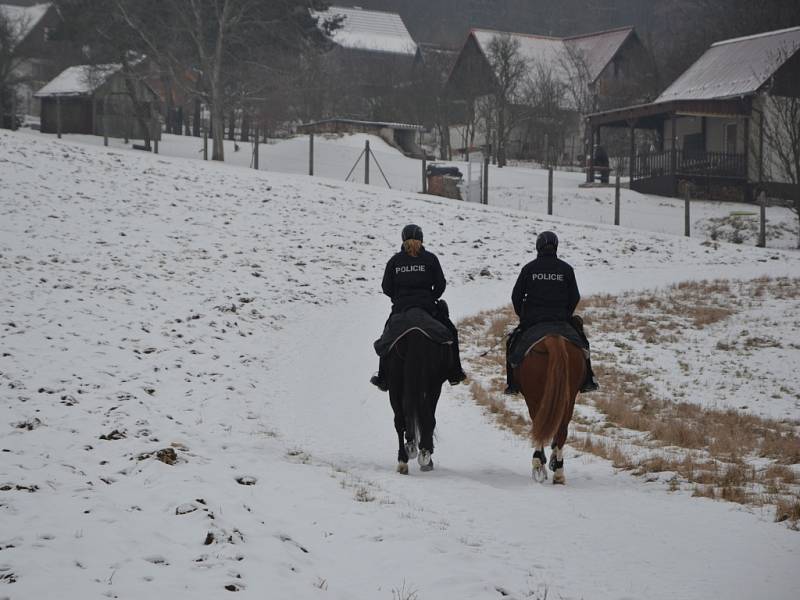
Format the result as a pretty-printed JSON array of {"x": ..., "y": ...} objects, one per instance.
[
  {"x": 370, "y": 30},
  {"x": 78, "y": 81},
  {"x": 515, "y": 187},
  {"x": 175, "y": 301},
  {"x": 23, "y": 18}
]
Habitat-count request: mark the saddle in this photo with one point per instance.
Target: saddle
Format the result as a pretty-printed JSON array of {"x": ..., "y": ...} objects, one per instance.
[
  {"x": 525, "y": 341},
  {"x": 413, "y": 319}
]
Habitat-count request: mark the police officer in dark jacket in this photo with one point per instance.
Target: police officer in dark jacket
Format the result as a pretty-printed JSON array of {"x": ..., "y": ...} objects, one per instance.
[
  {"x": 413, "y": 278},
  {"x": 546, "y": 290}
]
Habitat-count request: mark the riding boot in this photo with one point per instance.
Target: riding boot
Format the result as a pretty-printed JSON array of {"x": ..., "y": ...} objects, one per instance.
[
  {"x": 455, "y": 374},
  {"x": 379, "y": 380},
  {"x": 590, "y": 381},
  {"x": 511, "y": 385}
]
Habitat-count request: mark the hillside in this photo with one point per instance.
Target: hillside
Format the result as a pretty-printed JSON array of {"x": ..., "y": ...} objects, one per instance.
[{"x": 186, "y": 350}]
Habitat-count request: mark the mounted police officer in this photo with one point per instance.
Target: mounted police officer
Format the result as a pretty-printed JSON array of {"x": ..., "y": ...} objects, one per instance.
[
  {"x": 413, "y": 278},
  {"x": 546, "y": 290}
]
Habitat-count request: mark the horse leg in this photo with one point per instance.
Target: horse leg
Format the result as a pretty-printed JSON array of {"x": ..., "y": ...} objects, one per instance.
[
  {"x": 427, "y": 422},
  {"x": 538, "y": 462},
  {"x": 399, "y": 426},
  {"x": 557, "y": 465}
]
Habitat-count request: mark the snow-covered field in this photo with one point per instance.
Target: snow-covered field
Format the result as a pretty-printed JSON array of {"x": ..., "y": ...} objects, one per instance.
[
  {"x": 518, "y": 187},
  {"x": 154, "y": 303}
]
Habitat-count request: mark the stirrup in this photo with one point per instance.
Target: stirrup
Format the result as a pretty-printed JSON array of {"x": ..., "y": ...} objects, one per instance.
[
  {"x": 457, "y": 379},
  {"x": 590, "y": 385},
  {"x": 379, "y": 383},
  {"x": 511, "y": 389}
]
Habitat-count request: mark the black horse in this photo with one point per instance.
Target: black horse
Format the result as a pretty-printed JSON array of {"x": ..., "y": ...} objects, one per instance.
[{"x": 417, "y": 367}]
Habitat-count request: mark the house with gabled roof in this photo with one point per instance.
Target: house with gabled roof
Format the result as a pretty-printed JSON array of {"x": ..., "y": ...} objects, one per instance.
[
  {"x": 371, "y": 54},
  {"x": 38, "y": 54},
  {"x": 711, "y": 122},
  {"x": 593, "y": 70}
]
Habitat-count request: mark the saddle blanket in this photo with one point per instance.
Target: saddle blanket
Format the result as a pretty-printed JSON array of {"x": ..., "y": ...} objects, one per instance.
[
  {"x": 412, "y": 319},
  {"x": 535, "y": 334}
]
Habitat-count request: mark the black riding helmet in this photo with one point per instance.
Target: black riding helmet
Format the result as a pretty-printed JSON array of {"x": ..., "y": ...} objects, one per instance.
[
  {"x": 412, "y": 232},
  {"x": 545, "y": 239}
]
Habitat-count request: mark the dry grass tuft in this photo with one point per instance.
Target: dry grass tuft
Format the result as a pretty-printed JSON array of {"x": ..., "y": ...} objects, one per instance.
[{"x": 711, "y": 450}]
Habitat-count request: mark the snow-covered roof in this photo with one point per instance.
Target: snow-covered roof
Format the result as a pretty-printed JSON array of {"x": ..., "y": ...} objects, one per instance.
[
  {"x": 23, "y": 18},
  {"x": 78, "y": 81},
  {"x": 736, "y": 67},
  {"x": 598, "y": 49},
  {"x": 370, "y": 30}
]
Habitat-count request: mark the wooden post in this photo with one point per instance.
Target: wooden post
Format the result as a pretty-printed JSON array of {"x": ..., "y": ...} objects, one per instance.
[
  {"x": 255, "y": 151},
  {"x": 546, "y": 150},
  {"x": 205, "y": 143},
  {"x": 310, "y": 153},
  {"x": 550, "y": 191},
  {"x": 616, "y": 199},
  {"x": 58, "y": 116},
  {"x": 424, "y": 178},
  {"x": 366, "y": 162},
  {"x": 673, "y": 156},
  {"x": 105, "y": 120},
  {"x": 13, "y": 110},
  {"x": 632, "y": 152},
  {"x": 485, "y": 178},
  {"x": 762, "y": 231},
  {"x": 156, "y": 130},
  {"x": 687, "y": 223}
]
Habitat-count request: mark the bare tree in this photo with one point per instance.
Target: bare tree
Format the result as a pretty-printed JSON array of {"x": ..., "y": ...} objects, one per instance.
[
  {"x": 510, "y": 72},
  {"x": 11, "y": 61},
  {"x": 545, "y": 109},
  {"x": 781, "y": 135},
  {"x": 575, "y": 67}
]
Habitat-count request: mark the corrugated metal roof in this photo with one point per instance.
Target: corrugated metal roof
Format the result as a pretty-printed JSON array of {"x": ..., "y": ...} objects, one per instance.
[
  {"x": 78, "y": 81},
  {"x": 737, "y": 67},
  {"x": 370, "y": 30},
  {"x": 597, "y": 48},
  {"x": 23, "y": 18}
]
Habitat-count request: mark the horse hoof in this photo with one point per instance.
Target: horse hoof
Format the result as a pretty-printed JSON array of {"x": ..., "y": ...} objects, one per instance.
[
  {"x": 402, "y": 468},
  {"x": 411, "y": 449},
  {"x": 425, "y": 461},
  {"x": 538, "y": 472},
  {"x": 558, "y": 478}
]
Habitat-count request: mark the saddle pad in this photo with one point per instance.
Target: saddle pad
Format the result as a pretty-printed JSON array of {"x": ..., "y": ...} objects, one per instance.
[
  {"x": 403, "y": 323},
  {"x": 533, "y": 335}
]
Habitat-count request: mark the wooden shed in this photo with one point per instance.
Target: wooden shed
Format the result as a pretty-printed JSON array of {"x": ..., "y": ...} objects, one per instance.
[{"x": 97, "y": 99}]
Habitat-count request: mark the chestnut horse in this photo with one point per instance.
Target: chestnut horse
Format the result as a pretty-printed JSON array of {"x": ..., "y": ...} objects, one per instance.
[
  {"x": 417, "y": 367},
  {"x": 549, "y": 378}
]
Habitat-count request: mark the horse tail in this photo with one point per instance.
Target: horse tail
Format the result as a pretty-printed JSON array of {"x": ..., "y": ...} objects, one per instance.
[
  {"x": 555, "y": 396},
  {"x": 415, "y": 377}
]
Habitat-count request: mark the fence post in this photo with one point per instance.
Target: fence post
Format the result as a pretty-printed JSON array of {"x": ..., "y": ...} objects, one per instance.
[
  {"x": 616, "y": 199},
  {"x": 58, "y": 116},
  {"x": 105, "y": 120},
  {"x": 255, "y": 151},
  {"x": 205, "y": 144},
  {"x": 366, "y": 162},
  {"x": 13, "y": 110},
  {"x": 550, "y": 191},
  {"x": 762, "y": 231},
  {"x": 486, "y": 180},
  {"x": 687, "y": 224},
  {"x": 424, "y": 178},
  {"x": 155, "y": 133},
  {"x": 310, "y": 153}
]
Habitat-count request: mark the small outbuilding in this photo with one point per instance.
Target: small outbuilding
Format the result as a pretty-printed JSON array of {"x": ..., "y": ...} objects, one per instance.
[{"x": 98, "y": 99}]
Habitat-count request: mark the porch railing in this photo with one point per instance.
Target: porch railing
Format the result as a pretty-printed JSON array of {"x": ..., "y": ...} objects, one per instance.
[{"x": 707, "y": 164}]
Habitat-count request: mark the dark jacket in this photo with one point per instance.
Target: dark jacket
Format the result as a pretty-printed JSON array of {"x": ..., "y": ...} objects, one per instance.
[
  {"x": 546, "y": 290},
  {"x": 413, "y": 281}
]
